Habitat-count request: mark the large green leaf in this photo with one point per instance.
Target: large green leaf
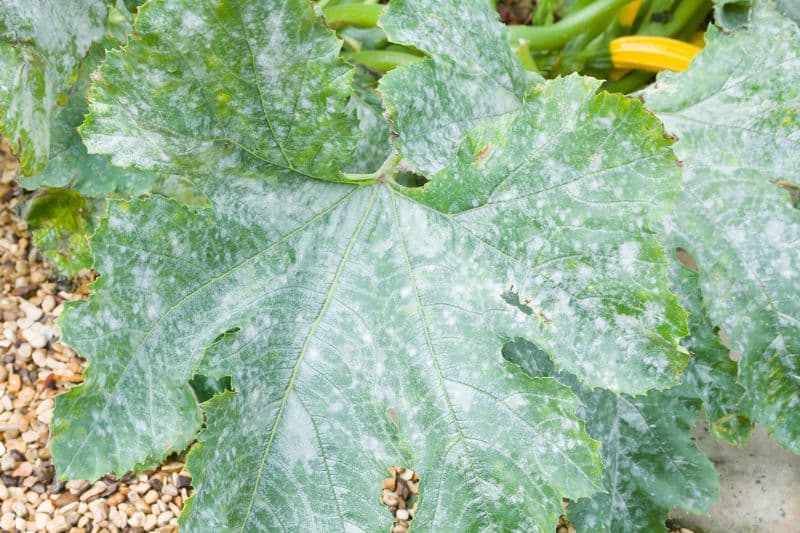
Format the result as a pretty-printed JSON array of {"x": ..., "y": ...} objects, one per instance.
[
  {"x": 373, "y": 141},
  {"x": 361, "y": 324},
  {"x": 546, "y": 193},
  {"x": 351, "y": 356},
  {"x": 41, "y": 45},
  {"x": 472, "y": 75},
  {"x": 736, "y": 113},
  {"x": 651, "y": 462}
]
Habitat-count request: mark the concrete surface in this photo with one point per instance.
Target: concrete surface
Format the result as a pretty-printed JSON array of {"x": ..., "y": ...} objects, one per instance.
[{"x": 759, "y": 487}]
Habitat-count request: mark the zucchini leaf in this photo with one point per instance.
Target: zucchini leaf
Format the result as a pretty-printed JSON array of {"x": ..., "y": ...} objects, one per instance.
[
  {"x": 736, "y": 113},
  {"x": 651, "y": 463},
  {"x": 61, "y": 221},
  {"x": 212, "y": 87},
  {"x": 69, "y": 164},
  {"x": 361, "y": 324}
]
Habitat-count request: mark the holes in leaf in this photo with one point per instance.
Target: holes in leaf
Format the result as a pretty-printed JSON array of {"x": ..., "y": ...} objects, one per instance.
[
  {"x": 532, "y": 359},
  {"x": 686, "y": 259},
  {"x": 733, "y": 14},
  {"x": 410, "y": 179},
  {"x": 400, "y": 493},
  {"x": 206, "y": 387},
  {"x": 512, "y": 298},
  {"x": 735, "y": 355},
  {"x": 564, "y": 525}
]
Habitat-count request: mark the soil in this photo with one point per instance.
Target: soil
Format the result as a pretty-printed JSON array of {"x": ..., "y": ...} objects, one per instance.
[
  {"x": 759, "y": 486},
  {"x": 34, "y": 367},
  {"x": 516, "y": 11}
]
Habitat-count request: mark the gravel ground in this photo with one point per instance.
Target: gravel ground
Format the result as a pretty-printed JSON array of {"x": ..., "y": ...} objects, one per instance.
[{"x": 34, "y": 367}]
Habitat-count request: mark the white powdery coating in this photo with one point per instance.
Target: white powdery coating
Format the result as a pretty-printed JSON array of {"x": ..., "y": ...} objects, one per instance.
[
  {"x": 41, "y": 45},
  {"x": 736, "y": 115}
]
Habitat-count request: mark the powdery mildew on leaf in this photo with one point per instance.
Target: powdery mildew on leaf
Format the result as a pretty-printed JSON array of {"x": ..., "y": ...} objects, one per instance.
[
  {"x": 41, "y": 44},
  {"x": 373, "y": 145},
  {"x": 344, "y": 316},
  {"x": 62, "y": 220},
  {"x": 361, "y": 325},
  {"x": 711, "y": 374},
  {"x": 791, "y": 9},
  {"x": 565, "y": 187},
  {"x": 650, "y": 462},
  {"x": 736, "y": 113},
  {"x": 69, "y": 165},
  {"x": 471, "y": 76},
  {"x": 204, "y": 81}
]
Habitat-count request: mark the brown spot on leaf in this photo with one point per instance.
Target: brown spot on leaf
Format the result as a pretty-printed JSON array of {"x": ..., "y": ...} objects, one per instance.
[
  {"x": 484, "y": 154},
  {"x": 791, "y": 187},
  {"x": 393, "y": 417},
  {"x": 686, "y": 259}
]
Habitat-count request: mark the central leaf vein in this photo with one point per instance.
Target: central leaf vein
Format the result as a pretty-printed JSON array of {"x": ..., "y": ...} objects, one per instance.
[{"x": 329, "y": 297}]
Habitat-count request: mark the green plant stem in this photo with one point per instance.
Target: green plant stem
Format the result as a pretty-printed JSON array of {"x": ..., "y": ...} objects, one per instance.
[
  {"x": 694, "y": 22},
  {"x": 524, "y": 55},
  {"x": 382, "y": 60},
  {"x": 590, "y": 45},
  {"x": 386, "y": 172},
  {"x": 686, "y": 11},
  {"x": 364, "y": 15},
  {"x": 558, "y": 34},
  {"x": 629, "y": 83}
]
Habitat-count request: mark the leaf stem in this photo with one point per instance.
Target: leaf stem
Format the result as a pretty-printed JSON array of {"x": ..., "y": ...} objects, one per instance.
[
  {"x": 382, "y": 60},
  {"x": 385, "y": 172},
  {"x": 365, "y": 15},
  {"x": 523, "y": 52},
  {"x": 558, "y": 34}
]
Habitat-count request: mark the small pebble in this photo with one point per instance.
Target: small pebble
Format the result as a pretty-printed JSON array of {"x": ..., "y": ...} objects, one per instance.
[
  {"x": 19, "y": 509},
  {"x": 48, "y": 303},
  {"x": 151, "y": 497},
  {"x": 136, "y": 520},
  {"x": 36, "y": 336}
]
